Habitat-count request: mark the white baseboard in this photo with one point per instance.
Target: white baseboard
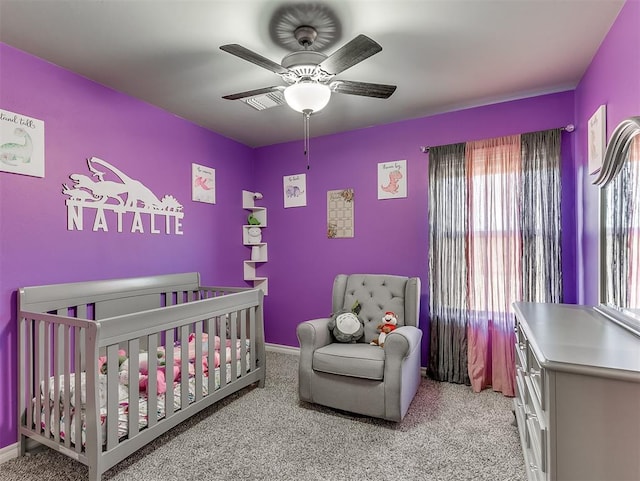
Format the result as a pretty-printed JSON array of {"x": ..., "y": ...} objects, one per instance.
[
  {"x": 8, "y": 452},
  {"x": 13, "y": 450},
  {"x": 282, "y": 349}
]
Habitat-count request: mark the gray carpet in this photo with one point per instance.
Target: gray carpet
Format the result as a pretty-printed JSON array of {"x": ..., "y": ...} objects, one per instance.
[{"x": 449, "y": 434}]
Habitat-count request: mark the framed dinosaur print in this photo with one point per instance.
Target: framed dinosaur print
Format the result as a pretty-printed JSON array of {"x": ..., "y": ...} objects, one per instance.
[
  {"x": 295, "y": 190},
  {"x": 21, "y": 144},
  {"x": 392, "y": 179},
  {"x": 203, "y": 184}
]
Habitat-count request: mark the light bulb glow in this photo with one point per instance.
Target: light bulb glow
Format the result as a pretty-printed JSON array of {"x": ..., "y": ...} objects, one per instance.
[{"x": 307, "y": 95}]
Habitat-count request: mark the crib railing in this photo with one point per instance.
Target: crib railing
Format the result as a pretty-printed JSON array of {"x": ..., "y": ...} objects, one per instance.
[{"x": 53, "y": 347}]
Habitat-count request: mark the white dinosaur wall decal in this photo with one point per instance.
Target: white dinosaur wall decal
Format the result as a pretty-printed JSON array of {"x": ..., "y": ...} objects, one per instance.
[{"x": 127, "y": 195}]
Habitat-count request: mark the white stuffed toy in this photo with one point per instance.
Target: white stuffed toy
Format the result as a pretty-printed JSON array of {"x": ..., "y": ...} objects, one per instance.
[
  {"x": 254, "y": 235},
  {"x": 346, "y": 326}
]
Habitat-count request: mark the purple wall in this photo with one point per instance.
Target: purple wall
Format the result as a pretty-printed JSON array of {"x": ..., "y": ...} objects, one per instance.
[
  {"x": 613, "y": 78},
  {"x": 83, "y": 119},
  {"x": 391, "y": 236}
]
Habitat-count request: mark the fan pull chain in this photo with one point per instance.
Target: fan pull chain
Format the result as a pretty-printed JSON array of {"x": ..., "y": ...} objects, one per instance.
[{"x": 306, "y": 118}]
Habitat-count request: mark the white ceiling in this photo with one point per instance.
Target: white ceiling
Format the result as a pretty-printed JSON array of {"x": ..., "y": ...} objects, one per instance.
[{"x": 442, "y": 54}]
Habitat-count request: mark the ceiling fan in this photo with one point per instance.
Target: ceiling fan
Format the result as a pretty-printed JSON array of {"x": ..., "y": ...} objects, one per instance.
[{"x": 310, "y": 74}]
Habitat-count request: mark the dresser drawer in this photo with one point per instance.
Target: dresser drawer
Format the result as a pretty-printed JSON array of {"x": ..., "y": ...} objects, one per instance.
[
  {"x": 521, "y": 388},
  {"x": 522, "y": 345},
  {"x": 537, "y": 442},
  {"x": 520, "y": 405},
  {"x": 536, "y": 374}
]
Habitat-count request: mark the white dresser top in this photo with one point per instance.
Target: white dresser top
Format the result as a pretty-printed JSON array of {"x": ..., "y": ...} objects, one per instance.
[{"x": 573, "y": 338}]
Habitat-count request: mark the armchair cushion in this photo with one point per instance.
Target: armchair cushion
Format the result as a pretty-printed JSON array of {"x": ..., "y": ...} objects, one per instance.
[{"x": 355, "y": 360}]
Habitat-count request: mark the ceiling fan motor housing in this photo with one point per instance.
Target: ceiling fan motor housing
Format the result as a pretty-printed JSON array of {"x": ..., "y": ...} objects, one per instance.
[{"x": 303, "y": 62}]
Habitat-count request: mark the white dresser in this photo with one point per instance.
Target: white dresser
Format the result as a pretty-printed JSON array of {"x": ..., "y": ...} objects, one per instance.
[{"x": 577, "y": 399}]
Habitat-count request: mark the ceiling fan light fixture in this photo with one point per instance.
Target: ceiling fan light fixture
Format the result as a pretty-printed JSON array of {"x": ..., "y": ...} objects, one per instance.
[{"x": 307, "y": 96}]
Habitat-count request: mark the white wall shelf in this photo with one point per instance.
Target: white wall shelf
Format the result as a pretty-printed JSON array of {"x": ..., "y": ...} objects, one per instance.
[{"x": 258, "y": 249}]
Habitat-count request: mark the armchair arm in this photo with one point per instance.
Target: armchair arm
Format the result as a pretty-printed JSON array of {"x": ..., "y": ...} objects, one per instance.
[
  {"x": 401, "y": 342},
  {"x": 314, "y": 334},
  {"x": 401, "y": 370},
  {"x": 311, "y": 335}
]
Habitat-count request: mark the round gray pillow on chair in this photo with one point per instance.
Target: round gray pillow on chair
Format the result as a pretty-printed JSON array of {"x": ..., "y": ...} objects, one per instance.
[{"x": 346, "y": 326}]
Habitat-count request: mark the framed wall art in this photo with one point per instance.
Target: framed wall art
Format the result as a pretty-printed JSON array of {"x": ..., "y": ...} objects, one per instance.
[
  {"x": 203, "y": 184},
  {"x": 392, "y": 179},
  {"x": 340, "y": 213},
  {"x": 597, "y": 138},
  {"x": 295, "y": 190},
  {"x": 21, "y": 144}
]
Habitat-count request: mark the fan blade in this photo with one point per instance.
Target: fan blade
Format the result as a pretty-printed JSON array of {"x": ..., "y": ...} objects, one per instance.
[
  {"x": 250, "y": 56},
  {"x": 358, "y": 49},
  {"x": 253, "y": 93},
  {"x": 365, "y": 89}
]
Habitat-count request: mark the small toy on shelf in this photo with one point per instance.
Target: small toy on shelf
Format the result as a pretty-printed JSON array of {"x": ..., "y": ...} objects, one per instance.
[{"x": 254, "y": 235}]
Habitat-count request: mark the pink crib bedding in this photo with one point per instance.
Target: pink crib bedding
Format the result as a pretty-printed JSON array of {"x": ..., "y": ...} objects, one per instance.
[{"x": 124, "y": 377}]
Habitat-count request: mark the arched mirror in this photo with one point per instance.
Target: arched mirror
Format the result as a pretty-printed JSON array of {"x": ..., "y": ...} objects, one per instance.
[{"x": 619, "y": 182}]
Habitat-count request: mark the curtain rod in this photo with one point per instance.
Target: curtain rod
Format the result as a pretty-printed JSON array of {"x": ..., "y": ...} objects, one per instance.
[{"x": 566, "y": 128}]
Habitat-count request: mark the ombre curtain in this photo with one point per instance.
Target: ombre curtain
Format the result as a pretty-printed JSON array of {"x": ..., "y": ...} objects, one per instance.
[
  {"x": 540, "y": 218},
  {"x": 494, "y": 232},
  {"x": 448, "y": 299},
  {"x": 495, "y": 278}
]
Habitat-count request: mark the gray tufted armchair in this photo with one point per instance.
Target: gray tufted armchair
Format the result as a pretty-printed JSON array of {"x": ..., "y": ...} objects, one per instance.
[{"x": 359, "y": 377}]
